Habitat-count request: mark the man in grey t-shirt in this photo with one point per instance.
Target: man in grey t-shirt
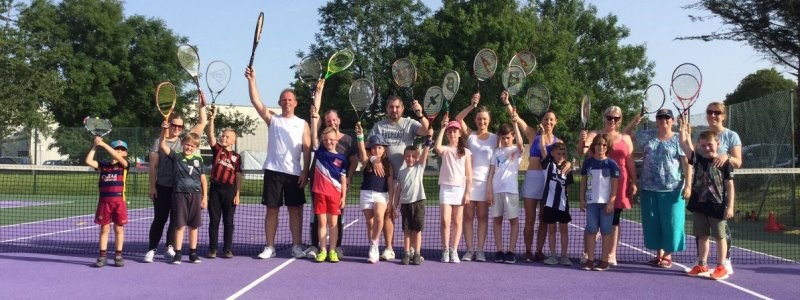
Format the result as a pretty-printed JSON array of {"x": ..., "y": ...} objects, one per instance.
[{"x": 399, "y": 133}]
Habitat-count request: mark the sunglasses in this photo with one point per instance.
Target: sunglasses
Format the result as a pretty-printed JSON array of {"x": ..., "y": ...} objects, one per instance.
[
  {"x": 176, "y": 126},
  {"x": 713, "y": 112},
  {"x": 615, "y": 119}
]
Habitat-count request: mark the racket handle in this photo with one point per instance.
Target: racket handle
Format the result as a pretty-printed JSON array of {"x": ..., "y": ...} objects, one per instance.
[{"x": 252, "y": 57}]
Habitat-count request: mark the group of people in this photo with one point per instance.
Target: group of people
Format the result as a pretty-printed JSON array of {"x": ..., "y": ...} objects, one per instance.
[{"x": 477, "y": 175}]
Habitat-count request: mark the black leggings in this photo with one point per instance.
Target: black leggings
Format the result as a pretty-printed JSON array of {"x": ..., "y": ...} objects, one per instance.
[
  {"x": 220, "y": 204},
  {"x": 161, "y": 210}
]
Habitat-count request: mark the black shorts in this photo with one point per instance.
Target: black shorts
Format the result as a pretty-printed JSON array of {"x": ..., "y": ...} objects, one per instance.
[
  {"x": 186, "y": 210},
  {"x": 617, "y": 216},
  {"x": 413, "y": 216},
  {"x": 281, "y": 189},
  {"x": 551, "y": 216}
]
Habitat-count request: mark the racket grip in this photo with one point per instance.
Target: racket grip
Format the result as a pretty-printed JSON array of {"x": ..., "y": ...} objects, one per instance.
[{"x": 252, "y": 57}]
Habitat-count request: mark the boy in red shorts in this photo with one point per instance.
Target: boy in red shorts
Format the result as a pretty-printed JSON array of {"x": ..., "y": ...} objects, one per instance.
[
  {"x": 329, "y": 187},
  {"x": 111, "y": 206}
]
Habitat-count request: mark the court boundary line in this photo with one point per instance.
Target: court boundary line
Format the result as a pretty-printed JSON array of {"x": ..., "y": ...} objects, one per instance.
[
  {"x": 62, "y": 219},
  {"x": 269, "y": 274},
  {"x": 63, "y": 231}
]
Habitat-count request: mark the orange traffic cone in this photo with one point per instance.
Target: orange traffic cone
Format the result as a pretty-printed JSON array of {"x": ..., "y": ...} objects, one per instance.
[{"x": 772, "y": 224}]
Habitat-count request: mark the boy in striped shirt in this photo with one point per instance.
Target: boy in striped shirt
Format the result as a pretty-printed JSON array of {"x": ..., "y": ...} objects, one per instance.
[
  {"x": 226, "y": 182},
  {"x": 558, "y": 175},
  {"x": 111, "y": 206}
]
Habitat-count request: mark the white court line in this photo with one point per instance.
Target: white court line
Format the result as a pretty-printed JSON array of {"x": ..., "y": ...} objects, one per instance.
[
  {"x": 65, "y": 218},
  {"x": 685, "y": 268},
  {"x": 272, "y": 272},
  {"x": 62, "y": 231}
]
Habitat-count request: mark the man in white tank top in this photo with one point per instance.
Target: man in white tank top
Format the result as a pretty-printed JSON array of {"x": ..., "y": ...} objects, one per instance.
[{"x": 284, "y": 174}]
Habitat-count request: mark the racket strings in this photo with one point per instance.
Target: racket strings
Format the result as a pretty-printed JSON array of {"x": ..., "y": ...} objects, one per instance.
[
  {"x": 433, "y": 101},
  {"x": 450, "y": 85},
  {"x": 537, "y": 100},
  {"x": 218, "y": 75},
  {"x": 404, "y": 73},
  {"x": 166, "y": 96},
  {"x": 189, "y": 60},
  {"x": 513, "y": 79},
  {"x": 654, "y": 98},
  {"x": 309, "y": 71},
  {"x": 362, "y": 92},
  {"x": 485, "y": 64},
  {"x": 685, "y": 86}
]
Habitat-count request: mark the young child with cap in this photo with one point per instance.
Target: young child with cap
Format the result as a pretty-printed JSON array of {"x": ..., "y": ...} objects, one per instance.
[{"x": 111, "y": 206}]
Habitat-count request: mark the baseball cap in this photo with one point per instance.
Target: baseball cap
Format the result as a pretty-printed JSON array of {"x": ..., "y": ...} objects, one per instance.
[
  {"x": 119, "y": 143},
  {"x": 454, "y": 124},
  {"x": 376, "y": 139},
  {"x": 664, "y": 112}
]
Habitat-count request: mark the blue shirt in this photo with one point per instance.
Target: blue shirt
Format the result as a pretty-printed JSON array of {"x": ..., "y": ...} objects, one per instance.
[{"x": 661, "y": 165}]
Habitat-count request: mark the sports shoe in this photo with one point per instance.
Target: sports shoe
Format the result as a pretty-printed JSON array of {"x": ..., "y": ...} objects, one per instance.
[
  {"x": 194, "y": 258},
  {"x": 499, "y": 257},
  {"x": 227, "y": 254},
  {"x": 565, "y": 261},
  {"x": 311, "y": 252},
  {"x": 720, "y": 273},
  {"x": 528, "y": 256},
  {"x": 510, "y": 258},
  {"x": 339, "y": 252},
  {"x": 118, "y": 261},
  {"x": 538, "y": 257},
  {"x": 406, "y": 259},
  {"x": 728, "y": 266},
  {"x": 176, "y": 260},
  {"x": 322, "y": 256},
  {"x": 148, "y": 257},
  {"x": 698, "y": 270},
  {"x": 373, "y": 254},
  {"x": 267, "y": 253},
  {"x": 446, "y": 255},
  {"x": 584, "y": 258},
  {"x": 170, "y": 252},
  {"x": 411, "y": 251},
  {"x": 101, "y": 262},
  {"x": 468, "y": 256},
  {"x": 454, "y": 256},
  {"x": 480, "y": 256},
  {"x": 297, "y": 251},
  {"x": 587, "y": 265},
  {"x": 417, "y": 259},
  {"x": 612, "y": 261},
  {"x": 552, "y": 260},
  {"x": 212, "y": 253},
  {"x": 333, "y": 256},
  {"x": 388, "y": 254},
  {"x": 601, "y": 266}
]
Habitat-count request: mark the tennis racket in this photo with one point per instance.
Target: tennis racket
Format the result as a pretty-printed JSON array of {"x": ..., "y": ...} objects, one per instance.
[
  {"x": 190, "y": 61},
  {"x": 309, "y": 71},
  {"x": 449, "y": 89},
  {"x": 218, "y": 75},
  {"x": 653, "y": 99},
  {"x": 526, "y": 60},
  {"x": 339, "y": 61},
  {"x": 686, "y": 82},
  {"x": 537, "y": 100},
  {"x": 432, "y": 103},
  {"x": 166, "y": 96},
  {"x": 484, "y": 65},
  {"x": 404, "y": 74},
  {"x": 586, "y": 109},
  {"x": 362, "y": 93},
  {"x": 256, "y": 37},
  {"x": 97, "y": 126},
  {"x": 513, "y": 80}
]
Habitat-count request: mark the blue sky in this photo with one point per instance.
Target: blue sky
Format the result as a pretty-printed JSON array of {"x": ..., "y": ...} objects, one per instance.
[{"x": 225, "y": 32}]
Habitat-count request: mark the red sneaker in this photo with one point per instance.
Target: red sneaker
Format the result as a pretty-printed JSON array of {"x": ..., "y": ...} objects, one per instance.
[
  {"x": 698, "y": 270},
  {"x": 720, "y": 273}
]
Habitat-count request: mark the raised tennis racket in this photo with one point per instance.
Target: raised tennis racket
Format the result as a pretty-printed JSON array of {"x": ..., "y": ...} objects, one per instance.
[
  {"x": 484, "y": 65},
  {"x": 256, "y": 37},
  {"x": 513, "y": 80},
  {"x": 537, "y": 99},
  {"x": 218, "y": 75},
  {"x": 526, "y": 60},
  {"x": 449, "y": 89},
  {"x": 686, "y": 82},
  {"x": 653, "y": 99},
  {"x": 310, "y": 71},
  {"x": 404, "y": 74},
  {"x": 166, "y": 96},
  {"x": 190, "y": 61},
  {"x": 432, "y": 103},
  {"x": 339, "y": 61},
  {"x": 362, "y": 93},
  {"x": 97, "y": 125},
  {"x": 586, "y": 110}
]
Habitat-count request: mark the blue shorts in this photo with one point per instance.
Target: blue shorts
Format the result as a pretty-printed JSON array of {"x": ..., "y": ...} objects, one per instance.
[{"x": 596, "y": 218}]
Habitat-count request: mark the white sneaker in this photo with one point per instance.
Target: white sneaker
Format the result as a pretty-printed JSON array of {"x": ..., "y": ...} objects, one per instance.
[
  {"x": 468, "y": 256},
  {"x": 728, "y": 266},
  {"x": 297, "y": 251},
  {"x": 584, "y": 258},
  {"x": 411, "y": 252},
  {"x": 340, "y": 252},
  {"x": 373, "y": 254},
  {"x": 454, "y": 256},
  {"x": 267, "y": 253},
  {"x": 565, "y": 261},
  {"x": 170, "y": 252},
  {"x": 480, "y": 256},
  {"x": 552, "y": 260},
  {"x": 388, "y": 254},
  {"x": 148, "y": 257},
  {"x": 446, "y": 255},
  {"x": 311, "y": 252}
]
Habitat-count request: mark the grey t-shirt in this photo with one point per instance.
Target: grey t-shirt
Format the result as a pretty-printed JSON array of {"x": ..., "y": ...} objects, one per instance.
[
  {"x": 188, "y": 170},
  {"x": 165, "y": 174},
  {"x": 411, "y": 187},
  {"x": 398, "y": 135}
]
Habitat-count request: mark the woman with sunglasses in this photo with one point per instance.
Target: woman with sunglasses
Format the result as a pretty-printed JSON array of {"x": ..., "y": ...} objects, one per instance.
[{"x": 622, "y": 154}]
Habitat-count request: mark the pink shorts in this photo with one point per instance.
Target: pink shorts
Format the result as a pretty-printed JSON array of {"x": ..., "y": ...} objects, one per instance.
[
  {"x": 324, "y": 204},
  {"x": 108, "y": 212}
]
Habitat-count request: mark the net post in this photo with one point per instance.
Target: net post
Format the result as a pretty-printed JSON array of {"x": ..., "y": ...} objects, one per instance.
[{"x": 794, "y": 155}]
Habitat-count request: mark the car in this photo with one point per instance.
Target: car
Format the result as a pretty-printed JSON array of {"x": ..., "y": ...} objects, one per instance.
[
  {"x": 57, "y": 163},
  {"x": 768, "y": 156},
  {"x": 14, "y": 160}
]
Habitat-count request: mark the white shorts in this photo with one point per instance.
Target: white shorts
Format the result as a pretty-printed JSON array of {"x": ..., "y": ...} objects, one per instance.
[
  {"x": 533, "y": 186},
  {"x": 478, "y": 192},
  {"x": 368, "y": 199},
  {"x": 505, "y": 205},
  {"x": 451, "y": 194}
]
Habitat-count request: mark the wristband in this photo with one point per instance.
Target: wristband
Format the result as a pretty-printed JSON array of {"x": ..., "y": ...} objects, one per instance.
[
  {"x": 360, "y": 138},
  {"x": 372, "y": 159},
  {"x": 428, "y": 142}
]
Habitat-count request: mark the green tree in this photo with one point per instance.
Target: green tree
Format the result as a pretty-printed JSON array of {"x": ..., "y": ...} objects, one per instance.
[{"x": 761, "y": 83}]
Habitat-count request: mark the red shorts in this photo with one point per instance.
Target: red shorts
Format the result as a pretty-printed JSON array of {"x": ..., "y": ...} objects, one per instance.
[
  {"x": 324, "y": 204},
  {"x": 108, "y": 212}
]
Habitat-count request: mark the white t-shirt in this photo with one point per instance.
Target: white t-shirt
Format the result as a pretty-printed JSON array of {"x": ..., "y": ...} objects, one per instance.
[
  {"x": 398, "y": 135},
  {"x": 410, "y": 179},
  {"x": 481, "y": 155},
  {"x": 285, "y": 148},
  {"x": 453, "y": 170},
  {"x": 506, "y": 162}
]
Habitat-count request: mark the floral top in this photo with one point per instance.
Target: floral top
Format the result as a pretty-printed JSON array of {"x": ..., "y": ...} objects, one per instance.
[{"x": 661, "y": 169}]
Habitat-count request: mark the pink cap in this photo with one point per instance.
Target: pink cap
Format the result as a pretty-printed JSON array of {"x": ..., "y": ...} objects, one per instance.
[{"x": 454, "y": 124}]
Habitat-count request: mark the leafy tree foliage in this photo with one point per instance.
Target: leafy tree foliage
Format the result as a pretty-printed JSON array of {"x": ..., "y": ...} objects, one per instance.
[{"x": 761, "y": 83}]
